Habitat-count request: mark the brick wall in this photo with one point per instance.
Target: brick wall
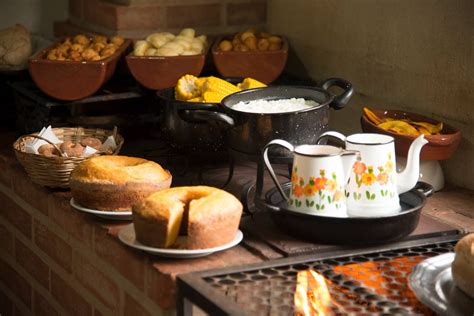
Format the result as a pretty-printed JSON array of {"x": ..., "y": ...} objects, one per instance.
[
  {"x": 55, "y": 261},
  {"x": 138, "y": 18}
]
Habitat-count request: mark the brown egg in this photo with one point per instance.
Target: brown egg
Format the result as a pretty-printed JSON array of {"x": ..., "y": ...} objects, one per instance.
[
  {"x": 251, "y": 42},
  {"x": 263, "y": 44},
  {"x": 225, "y": 46}
]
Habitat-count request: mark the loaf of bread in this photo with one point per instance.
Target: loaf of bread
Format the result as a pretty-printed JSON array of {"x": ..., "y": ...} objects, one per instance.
[
  {"x": 210, "y": 217},
  {"x": 15, "y": 46},
  {"x": 463, "y": 265},
  {"x": 115, "y": 183}
]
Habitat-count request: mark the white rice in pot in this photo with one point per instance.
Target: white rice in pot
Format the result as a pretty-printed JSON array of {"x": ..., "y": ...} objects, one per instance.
[{"x": 275, "y": 106}]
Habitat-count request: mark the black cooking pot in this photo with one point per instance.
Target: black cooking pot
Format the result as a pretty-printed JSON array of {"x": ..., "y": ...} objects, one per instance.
[
  {"x": 188, "y": 133},
  {"x": 250, "y": 132}
]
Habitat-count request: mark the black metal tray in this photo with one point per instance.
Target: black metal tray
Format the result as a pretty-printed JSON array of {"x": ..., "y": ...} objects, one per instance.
[{"x": 350, "y": 230}]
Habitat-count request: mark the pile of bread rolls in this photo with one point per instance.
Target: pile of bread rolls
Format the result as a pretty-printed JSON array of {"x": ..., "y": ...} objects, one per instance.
[
  {"x": 84, "y": 48},
  {"x": 70, "y": 148},
  {"x": 167, "y": 44},
  {"x": 251, "y": 40}
]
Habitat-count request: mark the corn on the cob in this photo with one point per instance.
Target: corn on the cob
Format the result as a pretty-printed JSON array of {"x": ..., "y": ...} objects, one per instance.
[
  {"x": 196, "y": 99},
  {"x": 214, "y": 84},
  {"x": 187, "y": 88},
  {"x": 249, "y": 83},
  {"x": 213, "y": 97}
]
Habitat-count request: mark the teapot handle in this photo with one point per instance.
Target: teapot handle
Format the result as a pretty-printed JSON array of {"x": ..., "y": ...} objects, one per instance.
[
  {"x": 340, "y": 138},
  {"x": 276, "y": 142}
]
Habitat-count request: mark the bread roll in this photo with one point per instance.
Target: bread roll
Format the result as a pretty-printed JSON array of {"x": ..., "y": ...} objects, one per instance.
[{"x": 463, "y": 265}]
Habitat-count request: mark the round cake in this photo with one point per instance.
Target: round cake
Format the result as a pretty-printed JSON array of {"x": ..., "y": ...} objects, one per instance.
[
  {"x": 463, "y": 266},
  {"x": 115, "y": 183},
  {"x": 209, "y": 217}
]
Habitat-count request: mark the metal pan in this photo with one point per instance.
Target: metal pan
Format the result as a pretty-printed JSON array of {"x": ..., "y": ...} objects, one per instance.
[{"x": 350, "y": 230}]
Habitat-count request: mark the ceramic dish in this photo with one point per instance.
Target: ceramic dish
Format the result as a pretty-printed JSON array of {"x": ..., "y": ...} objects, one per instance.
[
  {"x": 72, "y": 80},
  {"x": 127, "y": 236},
  {"x": 120, "y": 216},
  {"x": 440, "y": 147},
  {"x": 160, "y": 72},
  {"x": 265, "y": 66},
  {"x": 433, "y": 285}
]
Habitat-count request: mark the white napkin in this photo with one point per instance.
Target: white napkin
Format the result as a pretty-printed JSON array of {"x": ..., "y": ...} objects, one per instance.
[
  {"x": 109, "y": 144},
  {"x": 47, "y": 133},
  {"x": 88, "y": 151}
]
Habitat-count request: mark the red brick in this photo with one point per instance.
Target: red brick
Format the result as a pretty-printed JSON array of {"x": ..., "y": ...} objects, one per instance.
[
  {"x": 6, "y": 240},
  {"x": 15, "y": 215},
  {"x": 75, "y": 223},
  {"x": 140, "y": 17},
  {"x": 56, "y": 248},
  {"x": 32, "y": 263},
  {"x": 97, "y": 313},
  {"x": 6, "y": 305},
  {"x": 132, "y": 307},
  {"x": 75, "y": 8},
  {"x": 100, "y": 13},
  {"x": 161, "y": 288},
  {"x": 246, "y": 13},
  {"x": 68, "y": 297},
  {"x": 15, "y": 282},
  {"x": 42, "y": 307},
  {"x": 5, "y": 171},
  {"x": 193, "y": 15},
  {"x": 130, "y": 263},
  {"x": 97, "y": 282},
  {"x": 32, "y": 193}
]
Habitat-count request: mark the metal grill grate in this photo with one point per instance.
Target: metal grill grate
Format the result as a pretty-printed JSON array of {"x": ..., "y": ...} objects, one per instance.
[{"x": 359, "y": 284}]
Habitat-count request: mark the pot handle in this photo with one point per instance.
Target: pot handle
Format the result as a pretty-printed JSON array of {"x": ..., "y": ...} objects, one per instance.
[
  {"x": 340, "y": 138},
  {"x": 341, "y": 100},
  {"x": 203, "y": 116},
  {"x": 276, "y": 142}
]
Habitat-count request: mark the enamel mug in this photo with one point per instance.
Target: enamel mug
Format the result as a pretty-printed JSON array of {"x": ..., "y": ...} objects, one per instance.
[{"x": 319, "y": 175}]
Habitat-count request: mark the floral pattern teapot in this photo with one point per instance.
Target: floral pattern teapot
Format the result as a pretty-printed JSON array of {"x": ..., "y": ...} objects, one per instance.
[{"x": 374, "y": 184}]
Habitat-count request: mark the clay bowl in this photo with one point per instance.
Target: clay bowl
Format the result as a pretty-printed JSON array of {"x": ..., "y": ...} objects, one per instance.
[
  {"x": 72, "y": 80},
  {"x": 161, "y": 72},
  {"x": 439, "y": 147},
  {"x": 265, "y": 66}
]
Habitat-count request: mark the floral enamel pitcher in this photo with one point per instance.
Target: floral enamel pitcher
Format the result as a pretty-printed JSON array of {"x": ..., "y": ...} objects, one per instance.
[
  {"x": 374, "y": 184},
  {"x": 318, "y": 178}
]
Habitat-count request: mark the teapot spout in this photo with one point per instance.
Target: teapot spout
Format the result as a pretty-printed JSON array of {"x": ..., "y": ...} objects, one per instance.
[
  {"x": 348, "y": 158},
  {"x": 407, "y": 179}
]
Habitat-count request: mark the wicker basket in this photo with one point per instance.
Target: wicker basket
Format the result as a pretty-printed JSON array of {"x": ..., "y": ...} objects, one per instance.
[{"x": 55, "y": 171}]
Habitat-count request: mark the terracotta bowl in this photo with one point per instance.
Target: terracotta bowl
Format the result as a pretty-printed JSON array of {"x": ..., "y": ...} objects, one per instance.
[
  {"x": 72, "y": 80},
  {"x": 161, "y": 72},
  {"x": 264, "y": 66},
  {"x": 439, "y": 147}
]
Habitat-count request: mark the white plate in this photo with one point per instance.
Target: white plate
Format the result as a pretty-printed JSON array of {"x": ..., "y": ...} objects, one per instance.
[
  {"x": 127, "y": 236},
  {"x": 433, "y": 285},
  {"x": 115, "y": 215}
]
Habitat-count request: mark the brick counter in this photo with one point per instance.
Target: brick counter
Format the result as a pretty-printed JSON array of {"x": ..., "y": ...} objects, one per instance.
[{"x": 55, "y": 260}]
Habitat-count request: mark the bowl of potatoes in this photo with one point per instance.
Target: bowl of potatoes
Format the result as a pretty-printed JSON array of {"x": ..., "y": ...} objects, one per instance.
[
  {"x": 76, "y": 67},
  {"x": 159, "y": 60},
  {"x": 251, "y": 53}
]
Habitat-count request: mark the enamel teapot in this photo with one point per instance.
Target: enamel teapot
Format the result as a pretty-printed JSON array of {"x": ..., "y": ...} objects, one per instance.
[{"x": 374, "y": 184}]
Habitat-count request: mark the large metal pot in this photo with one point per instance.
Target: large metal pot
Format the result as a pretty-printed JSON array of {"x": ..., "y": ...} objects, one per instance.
[
  {"x": 250, "y": 132},
  {"x": 189, "y": 134}
]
